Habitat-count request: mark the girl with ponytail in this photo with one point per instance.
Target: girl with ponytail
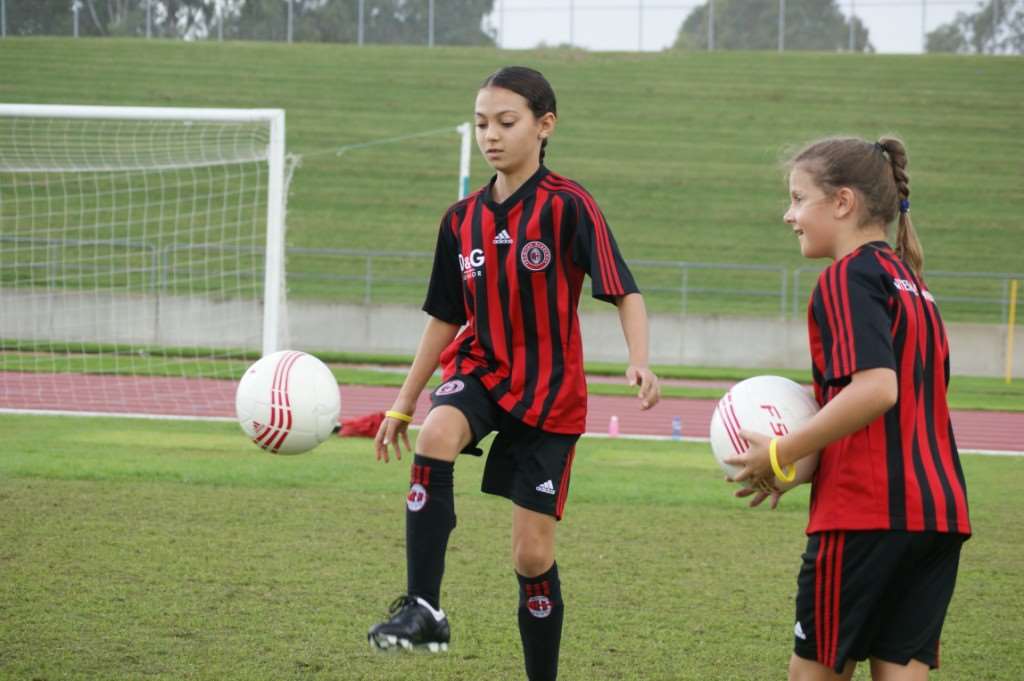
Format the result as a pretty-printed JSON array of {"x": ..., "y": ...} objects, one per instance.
[{"x": 888, "y": 508}]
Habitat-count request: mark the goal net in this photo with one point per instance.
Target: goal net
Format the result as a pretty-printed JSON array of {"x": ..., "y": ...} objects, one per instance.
[{"x": 141, "y": 256}]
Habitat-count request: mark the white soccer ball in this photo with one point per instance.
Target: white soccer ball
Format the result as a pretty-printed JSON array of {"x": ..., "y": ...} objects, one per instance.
[
  {"x": 771, "y": 405},
  {"x": 288, "y": 402}
]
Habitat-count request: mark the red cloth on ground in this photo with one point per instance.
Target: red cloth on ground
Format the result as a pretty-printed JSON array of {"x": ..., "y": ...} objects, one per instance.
[{"x": 362, "y": 426}]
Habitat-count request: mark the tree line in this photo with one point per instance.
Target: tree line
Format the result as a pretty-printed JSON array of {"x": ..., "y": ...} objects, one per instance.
[
  {"x": 456, "y": 22},
  {"x": 995, "y": 27}
]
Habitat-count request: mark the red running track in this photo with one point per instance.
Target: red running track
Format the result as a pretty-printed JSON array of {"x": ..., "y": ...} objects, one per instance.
[{"x": 975, "y": 430}]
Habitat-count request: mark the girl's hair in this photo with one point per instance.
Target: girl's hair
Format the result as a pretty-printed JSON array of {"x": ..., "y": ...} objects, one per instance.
[
  {"x": 878, "y": 170},
  {"x": 531, "y": 85}
]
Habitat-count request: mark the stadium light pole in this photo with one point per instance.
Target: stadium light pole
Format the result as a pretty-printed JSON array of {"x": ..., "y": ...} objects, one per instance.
[
  {"x": 995, "y": 25},
  {"x": 361, "y": 30},
  {"x": 74, "y": 12},
  {"x": 853, "y": 14},
  {"x": 3, "y": 18},
  {"x": 501, "y": 24},
  {"x": 711, "y": 25},
  {"x": 149, "y": 19},
  {"x": 430, "y": 23},
  {"x": 924, "y": 26},
  {"x": 640, "y": 25},
  {"x": 782, "y": 25},
  {"x": 572, "y": 23},
  {"x": 289, "y": 20}
]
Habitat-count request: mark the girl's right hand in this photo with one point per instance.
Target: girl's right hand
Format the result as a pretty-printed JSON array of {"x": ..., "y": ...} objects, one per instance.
[
  {"x": 760, "y": 495},
  {"x": 391, "y": 429}
]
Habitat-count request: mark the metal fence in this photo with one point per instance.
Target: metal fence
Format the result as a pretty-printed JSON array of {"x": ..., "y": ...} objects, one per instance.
[
  {"x": 669, "y": 286},
  {"x": 589, "y": 24},
  {"x": 962, "y": 296},
  {"x": 400, "y": 277}
]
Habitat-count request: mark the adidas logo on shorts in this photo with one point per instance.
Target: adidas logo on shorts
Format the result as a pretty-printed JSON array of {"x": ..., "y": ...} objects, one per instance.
[
  {"x": 798, "y": 631},
  {"x": 503, "y": 238},
  {"x": 546, "y": 487}
]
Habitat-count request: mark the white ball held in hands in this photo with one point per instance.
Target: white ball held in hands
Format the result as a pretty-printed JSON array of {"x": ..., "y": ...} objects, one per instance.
[{"x": 771, "y": 405}]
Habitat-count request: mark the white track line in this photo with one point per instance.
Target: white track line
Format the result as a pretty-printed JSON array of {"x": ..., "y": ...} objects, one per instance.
[
  {"x": 113, "y": 414},
  {"x": 226, "y": 419}
]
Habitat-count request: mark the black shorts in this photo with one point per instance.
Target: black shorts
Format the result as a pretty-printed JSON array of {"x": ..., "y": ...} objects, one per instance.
[
  {"x": 880, "y": 594},
  {"x": 525, "y": 464}
]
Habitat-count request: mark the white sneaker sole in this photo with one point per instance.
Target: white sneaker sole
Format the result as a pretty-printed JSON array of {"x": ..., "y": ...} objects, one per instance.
[{"x": 389, "y": 642}]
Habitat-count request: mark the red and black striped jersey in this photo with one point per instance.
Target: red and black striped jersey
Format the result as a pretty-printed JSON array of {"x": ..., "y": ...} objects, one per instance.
[
  {"x": 512, "y": 272},
  {"x": 902, "y": 471}
]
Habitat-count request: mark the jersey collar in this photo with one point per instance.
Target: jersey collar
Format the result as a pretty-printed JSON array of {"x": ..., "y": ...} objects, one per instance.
[
  {"x": 518, "y": 195},
  {"x": 879, "y": 245},
  {"x": 874, "y": 245}
]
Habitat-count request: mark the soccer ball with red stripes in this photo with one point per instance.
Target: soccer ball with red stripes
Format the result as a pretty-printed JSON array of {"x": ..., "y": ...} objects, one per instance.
[
  {"x": 288, "y": 402},
  {"x": 771, "y": 405}
]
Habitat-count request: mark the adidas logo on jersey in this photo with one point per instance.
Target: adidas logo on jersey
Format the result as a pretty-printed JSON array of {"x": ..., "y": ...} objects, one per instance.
[
  {"x": 546, "y": 487},
  {"x": 503, "y": 238}
]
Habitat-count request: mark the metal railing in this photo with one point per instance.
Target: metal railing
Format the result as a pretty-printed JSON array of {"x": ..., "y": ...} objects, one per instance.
[
  {"x": 685, "y": 290},
  {"x": 370, "y": 271},
  {"x": 384, "y": 277},
  {"x": 977, "y": 300}
]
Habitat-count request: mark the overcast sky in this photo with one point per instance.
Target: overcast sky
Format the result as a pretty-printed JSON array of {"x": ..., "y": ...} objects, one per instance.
[{"x": 894, "y": 25}]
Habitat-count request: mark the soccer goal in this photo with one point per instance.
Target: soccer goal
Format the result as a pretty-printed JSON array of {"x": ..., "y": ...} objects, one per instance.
[{"x": 141, "y": 255}]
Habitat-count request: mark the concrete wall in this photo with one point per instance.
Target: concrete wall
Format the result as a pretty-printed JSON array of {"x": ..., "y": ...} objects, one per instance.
[
  {"x": 139, "y": 319},
  {"x": 977, "y": 349}
]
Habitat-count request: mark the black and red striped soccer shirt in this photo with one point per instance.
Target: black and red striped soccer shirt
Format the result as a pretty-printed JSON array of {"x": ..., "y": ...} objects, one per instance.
[
  {"x": 902, "y": 471},
  {"x": 513, "y": 273}
]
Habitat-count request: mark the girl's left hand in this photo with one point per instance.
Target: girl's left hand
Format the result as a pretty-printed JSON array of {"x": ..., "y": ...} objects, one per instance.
[
  {"x": 650, "y": 391},
  {"x": 754, "y": 462}
]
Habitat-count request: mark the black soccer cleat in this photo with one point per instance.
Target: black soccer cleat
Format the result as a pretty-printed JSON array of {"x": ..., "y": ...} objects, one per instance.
[{"x": 412, "y": 625}]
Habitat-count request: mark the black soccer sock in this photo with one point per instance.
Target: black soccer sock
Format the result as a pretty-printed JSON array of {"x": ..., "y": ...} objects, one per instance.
[
  {"x": 540, "y": 623},
  {"x": 429, "y": 519}
]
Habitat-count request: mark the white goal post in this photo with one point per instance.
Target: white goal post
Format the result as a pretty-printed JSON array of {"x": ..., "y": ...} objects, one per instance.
[{"x": 140, "y": 243}]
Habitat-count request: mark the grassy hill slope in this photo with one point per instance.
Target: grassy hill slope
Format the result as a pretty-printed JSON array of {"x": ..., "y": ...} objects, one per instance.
[{"x": 681, "y": 150}]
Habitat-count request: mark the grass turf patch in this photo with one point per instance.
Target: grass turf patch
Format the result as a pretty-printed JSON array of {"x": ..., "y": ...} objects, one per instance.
[{"x": 177, "y": 550}]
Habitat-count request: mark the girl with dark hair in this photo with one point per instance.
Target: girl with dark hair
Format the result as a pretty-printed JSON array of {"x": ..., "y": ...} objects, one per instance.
[
  {"x": 508, "y": 270},
  {"x": 888, "y": 503}
]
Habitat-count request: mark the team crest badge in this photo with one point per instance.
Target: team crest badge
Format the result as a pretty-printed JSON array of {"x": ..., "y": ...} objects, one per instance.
[
  {"x": 535, "y": 256},
  {"x": 450, "y": 388},
  {"x": 539, "y": 606},
  {"x": 417, "y": 498}
]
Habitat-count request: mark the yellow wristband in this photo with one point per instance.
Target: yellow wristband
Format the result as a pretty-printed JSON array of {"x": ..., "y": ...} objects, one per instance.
[
  {"x": 398, "y": 415},
  {"x": 773, "y": 456}
]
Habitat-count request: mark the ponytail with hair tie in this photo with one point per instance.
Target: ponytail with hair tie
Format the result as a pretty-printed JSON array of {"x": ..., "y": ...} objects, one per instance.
[{"x": 908, "y": 246}]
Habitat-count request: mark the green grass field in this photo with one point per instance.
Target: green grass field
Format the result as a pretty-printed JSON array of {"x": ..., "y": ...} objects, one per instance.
[
  {"x": 682, "y": 150},
  {"x": 175, "y": 550}
]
